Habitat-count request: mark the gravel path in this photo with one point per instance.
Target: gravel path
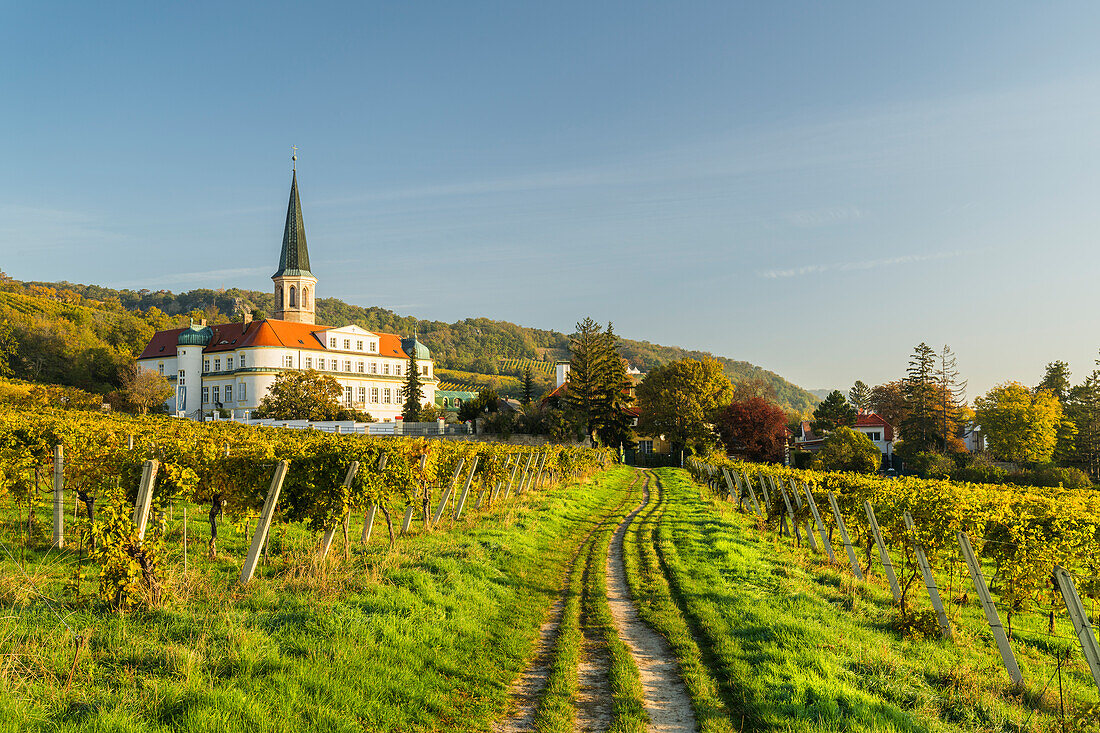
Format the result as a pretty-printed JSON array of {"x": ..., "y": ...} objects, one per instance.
[
  {"x": 527, "y": 689},
  {"x": 666, "y": 698}
]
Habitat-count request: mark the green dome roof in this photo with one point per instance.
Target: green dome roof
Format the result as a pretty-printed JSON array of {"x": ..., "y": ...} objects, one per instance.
[
  {"x": 195, "y": 336},
  {"x": 408, "y": 345}
]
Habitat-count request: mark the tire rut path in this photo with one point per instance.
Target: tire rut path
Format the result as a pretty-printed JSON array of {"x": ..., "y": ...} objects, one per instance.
[{"x": 666, "y": 697}]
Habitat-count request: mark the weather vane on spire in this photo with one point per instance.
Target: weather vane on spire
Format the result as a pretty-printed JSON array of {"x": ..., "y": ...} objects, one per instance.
[{"x": 294, "y": 158}]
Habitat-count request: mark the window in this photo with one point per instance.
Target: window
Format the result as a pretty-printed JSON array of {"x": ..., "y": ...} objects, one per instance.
[
  {"x": 359, "y": 366},
  {"x": 374, "y": 367},
  {"x": 335, "y": 365},
  {"x": 374, "y": 346},
  {"x": 358, "y": 345},
  {"x": 217, "y": 365},
  {"x": 332, "y": 342},
  {"x": 347, "y": 365},
  {"x": 397, "y": 369},
  {"x": 424, "y": 370},
  {"x": 229, "y": 364},
  {"x": 309, "y": 362},
  {"x": 229, "y": 393},
  {"x": 288, "y": 361},
  {"x": 293, "y": 297},
  {"x": 205, "y": 394},
  {"x": 179, "y": 381},
  {"x": 347, "y": 395},
  {"x": 362, "y": 394},
  {"x": 241, "y": 361},
  {"x": 206, "y": 365},
  {"x": 386, "y": 368},
  {"x": 386, "y": 396},
  {"x": 279, "y": 298},
  {"x": 217, "y": 398},
  {"x": 347, "y": 344},
  {"x": 160, "y": 367},
  {"x": 458, "y": 402},
  {"x": 241, "y": 392},
  {"x": 374, "y": 395},
  {"x": 877, "y": 435},
  {"x": 645, "y": 446},
  {"x": 305, "y": 297}
]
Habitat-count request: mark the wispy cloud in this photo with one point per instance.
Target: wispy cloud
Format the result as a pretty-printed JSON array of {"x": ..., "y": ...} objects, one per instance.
[
  {"x": 857, "y": 265},
  {"x": 231, "y": 276}
]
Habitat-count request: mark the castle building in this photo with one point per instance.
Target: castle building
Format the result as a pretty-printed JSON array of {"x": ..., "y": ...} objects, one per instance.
[{"x": 231, "y": 367}]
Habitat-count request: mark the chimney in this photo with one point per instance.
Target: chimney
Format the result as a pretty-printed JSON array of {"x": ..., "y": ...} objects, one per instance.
[{"x": 246, "y": 317}]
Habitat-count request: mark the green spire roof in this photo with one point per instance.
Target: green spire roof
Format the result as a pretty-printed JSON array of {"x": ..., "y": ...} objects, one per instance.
[{"x": 294, "y": 259}]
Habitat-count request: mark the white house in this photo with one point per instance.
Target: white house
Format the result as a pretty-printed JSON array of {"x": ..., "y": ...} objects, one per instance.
[
  {"x": 232, "y": 366},
  {"x": 871, "y": 424}
]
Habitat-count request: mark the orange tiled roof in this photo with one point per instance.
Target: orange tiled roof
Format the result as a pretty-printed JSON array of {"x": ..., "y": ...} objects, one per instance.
[{"x": 267, "y": 332}]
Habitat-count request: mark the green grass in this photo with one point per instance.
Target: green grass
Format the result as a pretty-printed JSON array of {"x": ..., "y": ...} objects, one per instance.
[
  {"x": 427, "y": 636},
  {"x": 657, "y": 608},
  {"x": 798, "y": 645},
  {"x": 586, "y": 603}
]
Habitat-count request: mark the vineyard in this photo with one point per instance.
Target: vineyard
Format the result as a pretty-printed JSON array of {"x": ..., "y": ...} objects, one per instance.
[{"x": 1025, "y": 557}]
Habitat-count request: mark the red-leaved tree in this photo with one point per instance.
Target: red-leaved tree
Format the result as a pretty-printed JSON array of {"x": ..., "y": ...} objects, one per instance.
[{"x": 753, "y": 428}]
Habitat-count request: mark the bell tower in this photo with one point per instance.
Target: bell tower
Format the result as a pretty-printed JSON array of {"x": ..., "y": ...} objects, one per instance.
[{"x": 294, "y": 283}]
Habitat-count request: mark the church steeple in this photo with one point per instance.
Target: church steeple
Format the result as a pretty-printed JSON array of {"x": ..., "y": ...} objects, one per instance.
[
  {"x": 294, "y": 283},
  {"x": 294, "y": 259}
]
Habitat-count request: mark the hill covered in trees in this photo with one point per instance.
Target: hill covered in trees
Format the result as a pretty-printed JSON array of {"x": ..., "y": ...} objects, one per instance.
[{"x": 81, "y": 334}]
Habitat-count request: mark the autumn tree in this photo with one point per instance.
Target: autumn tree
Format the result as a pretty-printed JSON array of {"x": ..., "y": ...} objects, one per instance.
[
  {"x": 848, "y": 450},
  {"x": 145, "y": 390},
  {"x": 753, "y": 428},
  {"x": 680, "y": 400},
  {"x": 833, "y": 412},
  {"x": 753, "y": 387},
  {"x": 1020, "y": 425},
  {"x": 306, "y": 395},
  {"x": 860, "y": 395},
  {"x": 888, "y": 402}
]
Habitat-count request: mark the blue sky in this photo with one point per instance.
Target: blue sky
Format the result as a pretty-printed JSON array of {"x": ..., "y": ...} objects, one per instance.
[{"x": 813, "y": 187}]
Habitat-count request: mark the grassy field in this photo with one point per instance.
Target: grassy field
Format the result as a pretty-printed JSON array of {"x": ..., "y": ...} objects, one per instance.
[
  {"x": 426, "y": 636},
  {"x": 798, "y": 645}
]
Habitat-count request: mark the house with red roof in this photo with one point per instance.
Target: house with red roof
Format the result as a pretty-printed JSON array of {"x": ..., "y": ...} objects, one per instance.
[
  {"x": 871, "y": 424},
  {"x": 230, "y": 367}
]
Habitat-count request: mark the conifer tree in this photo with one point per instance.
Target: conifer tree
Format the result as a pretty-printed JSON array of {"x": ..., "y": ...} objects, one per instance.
[
  {"x": 919, "y": 429},
  {"x": 412, "y": 390},
  {"x": 951, "y": 395},
  {"x": 860, "y": 395},
  {"x": 528, "y": 386},
  {"x": 582, "y": 394},
  {"x": 613, "y": 422}
]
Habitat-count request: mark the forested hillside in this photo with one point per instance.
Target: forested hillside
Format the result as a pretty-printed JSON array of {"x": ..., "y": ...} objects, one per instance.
[{"x": 78, "y": 334}]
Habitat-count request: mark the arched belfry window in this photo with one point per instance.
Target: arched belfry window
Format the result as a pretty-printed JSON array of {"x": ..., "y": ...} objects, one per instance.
[
  {"x": 305, "y": 297},
  {"x": 279, "y": 297},
  {"x": 293, "y": 304}
]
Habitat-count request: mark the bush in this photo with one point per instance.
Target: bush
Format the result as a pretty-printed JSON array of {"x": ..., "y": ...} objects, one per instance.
[
  {"x": 847, "y": 450},
  {"x": 1049, "y": 475},
  {"x": 981, "y": 469},
  {"x": 929, "y": 464}
]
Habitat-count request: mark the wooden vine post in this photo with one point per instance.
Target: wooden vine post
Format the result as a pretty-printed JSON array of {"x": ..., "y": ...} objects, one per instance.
[
  {"x": 929, "y": 578},
  {"x": 368, "y": 521},
  {"x": 752, "y": 496},
  {"x": 883, "y": 553},
  {"x": 449, "y": 491},
  {"x": 512, "y": 477},
  {"x": 145, "y": 496},
  {"x": 1086, "y": 635},
  {"x": 466, "y": 489},
  {"x": 330, "y": 533},
  {"x": 808, "y": 528},
  {"x": 266, "y": 515},
  {"x": 990, "y": 609},
  {"x": 820, "y": 524},
  {"x": 852, "y": 560},
  {"x": 58, "y": 496}
]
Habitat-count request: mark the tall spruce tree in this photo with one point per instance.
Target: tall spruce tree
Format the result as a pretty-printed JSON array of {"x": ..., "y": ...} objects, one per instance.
[
  {"x": 860, "y": 395},
  {"x": 920, "y": 427},
  {"x": 528, "y": 385},
  {"x": 613, "y": 422},
  {"x": 583, "y": 392},
  {"x": 412, "y": 391},
  {"x": 951, "y": 395}
]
